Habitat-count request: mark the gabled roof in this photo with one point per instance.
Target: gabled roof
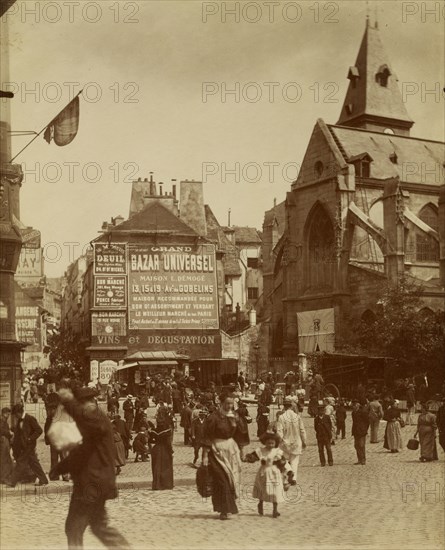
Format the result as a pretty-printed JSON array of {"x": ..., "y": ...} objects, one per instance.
[
  {"x": 245, "y": 235},
  {"x": 276, "y": 215},
  {"x": 365, "y": 95},
  {"x": 216, "y": 234},
  {"x": 418, "y": 161},
  {"x": 155, "y": 217}
]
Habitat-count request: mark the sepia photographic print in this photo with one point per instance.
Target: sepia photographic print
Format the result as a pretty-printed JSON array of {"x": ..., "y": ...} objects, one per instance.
[{"x": 222, "y": 275}]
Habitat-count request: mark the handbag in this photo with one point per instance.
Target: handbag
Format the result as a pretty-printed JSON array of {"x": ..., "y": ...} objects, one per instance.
[
  {"x": 401, "y": 422},
  {"x": 204, "y": 482},
  {"x": 413, "y": 444},
  {"x": 248, "y": 419}
]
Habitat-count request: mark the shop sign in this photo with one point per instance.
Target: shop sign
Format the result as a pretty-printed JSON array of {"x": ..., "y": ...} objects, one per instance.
[
  {"x": 94, "y": 370},
  {"x": 108, "y": 324},
  {"x": 106, "y": 369},
  {"x": 172, "y": 287},
  {"x": 110, "y": 258},
  {"x": 110, "y": 291}
]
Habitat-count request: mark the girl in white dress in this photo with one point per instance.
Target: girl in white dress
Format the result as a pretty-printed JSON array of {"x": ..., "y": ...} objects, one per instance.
[{"x": 269, "y": 486}]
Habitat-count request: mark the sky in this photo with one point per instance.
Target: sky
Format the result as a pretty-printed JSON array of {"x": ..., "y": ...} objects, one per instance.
[{"x": 223, "y": 92}]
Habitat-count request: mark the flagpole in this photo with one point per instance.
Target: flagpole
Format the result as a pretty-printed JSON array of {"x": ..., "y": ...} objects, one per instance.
[{"x": 42, "y": 130}]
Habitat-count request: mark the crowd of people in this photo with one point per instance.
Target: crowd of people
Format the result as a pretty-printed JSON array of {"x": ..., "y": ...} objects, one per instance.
[{"x": 215, "y": 426}]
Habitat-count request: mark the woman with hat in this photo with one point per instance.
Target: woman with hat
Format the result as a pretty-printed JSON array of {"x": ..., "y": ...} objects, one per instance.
[
  {"x": 221, "y": 454},
  {"x": 268, "y": 486},
  {"x": 393, "y": 434},
  {"x": 426, "y": 429}
]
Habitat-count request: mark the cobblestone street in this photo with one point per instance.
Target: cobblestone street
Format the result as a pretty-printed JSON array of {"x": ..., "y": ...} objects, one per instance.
[{"x": 393, "y": 502}]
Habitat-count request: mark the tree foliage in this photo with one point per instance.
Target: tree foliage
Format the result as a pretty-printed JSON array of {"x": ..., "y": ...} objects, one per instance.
[
  {"x": 66, "y": 354},
  {"x": 402, "y": 329}
]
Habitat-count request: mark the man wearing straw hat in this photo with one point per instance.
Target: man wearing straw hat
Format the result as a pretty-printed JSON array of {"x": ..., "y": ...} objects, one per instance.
[{"x": 291, "y": 430}]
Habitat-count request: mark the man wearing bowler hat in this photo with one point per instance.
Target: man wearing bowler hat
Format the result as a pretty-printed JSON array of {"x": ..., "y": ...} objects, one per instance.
[
  {"x": 92, "y": 468},
  {"x": 26, "y": 433},
  {"x": 323, "y": 431}
]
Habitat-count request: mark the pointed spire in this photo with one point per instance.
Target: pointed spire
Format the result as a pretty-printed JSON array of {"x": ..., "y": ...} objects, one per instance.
[{"x": 373, "y": 100}]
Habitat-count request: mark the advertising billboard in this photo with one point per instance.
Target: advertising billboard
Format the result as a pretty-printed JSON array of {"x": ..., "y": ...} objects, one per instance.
[
  {"x": 108, "y": 323},
  {"x": 172, "y": 287},
  {"x": 110, "y": 291},
  {"x": 110, "y": 258},
  {"x": 30, "y": 266}
]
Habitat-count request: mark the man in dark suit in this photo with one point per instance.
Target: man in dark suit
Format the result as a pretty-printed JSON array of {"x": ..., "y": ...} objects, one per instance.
[
  {"x": 6, "y": 465},
  {"x": 92, "y": 468},
  {"x": 129, "y": 412},
  {"x": 360, "y": 425},
  {"x": 186, "y": 422},
  {"x": 26, "y": 433},
  {"x": 197, "y": 433},
  {"x": 323, "y": 431}
]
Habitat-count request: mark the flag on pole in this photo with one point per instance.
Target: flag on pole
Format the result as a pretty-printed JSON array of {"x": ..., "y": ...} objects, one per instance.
[{"x": 63, "y": 128}]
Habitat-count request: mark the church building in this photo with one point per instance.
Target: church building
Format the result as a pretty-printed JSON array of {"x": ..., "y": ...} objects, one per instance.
[{"x": 366, "y": 209}]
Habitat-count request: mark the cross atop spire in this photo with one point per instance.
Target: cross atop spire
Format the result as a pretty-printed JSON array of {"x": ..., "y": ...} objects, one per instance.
[{"x": 373, "y": 100}]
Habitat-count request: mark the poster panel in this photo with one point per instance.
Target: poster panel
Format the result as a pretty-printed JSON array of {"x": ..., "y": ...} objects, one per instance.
[
  {"x": 110, "y": 258},
  {"x": 108, "y": 323},
  {"x": 172, "y": 287},
  {"x": 110, "y": 291}
]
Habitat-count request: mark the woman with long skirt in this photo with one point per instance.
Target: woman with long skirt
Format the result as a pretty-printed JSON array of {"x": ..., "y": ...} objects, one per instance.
[
  {"x": 426, "y": 428},
  {"x": 120, "y": 450},
  {"x": 393, "y": 434},
  {"x": 221, "y": 454},
  {"x": 162, "y": 456}
]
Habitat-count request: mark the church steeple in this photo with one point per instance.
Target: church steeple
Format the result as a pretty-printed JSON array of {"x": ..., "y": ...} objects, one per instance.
[{"x": 373, "y": 100}]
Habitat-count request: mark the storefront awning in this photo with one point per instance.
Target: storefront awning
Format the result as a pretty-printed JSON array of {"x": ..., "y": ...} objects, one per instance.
[
  {"x": 106, "y": 348},
  {"x": 156, "y": 356},
  {"x": 126, "y": 366},
  {"x": 148, "y": 364}
]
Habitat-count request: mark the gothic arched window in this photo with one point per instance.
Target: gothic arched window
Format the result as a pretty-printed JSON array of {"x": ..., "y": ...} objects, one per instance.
[
  {"x": 321, "y": 253},
  {"x": 430, "y": 216},
  {"x": 427, "y": 248}
]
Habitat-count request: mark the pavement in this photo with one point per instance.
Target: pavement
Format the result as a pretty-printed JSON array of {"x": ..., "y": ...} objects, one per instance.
[{"x": 393, "y": 502}]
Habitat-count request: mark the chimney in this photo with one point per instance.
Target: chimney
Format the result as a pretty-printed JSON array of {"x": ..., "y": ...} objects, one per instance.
[
  {"x": 152, "y": 186},
  {"x": 192, "y": 205}
]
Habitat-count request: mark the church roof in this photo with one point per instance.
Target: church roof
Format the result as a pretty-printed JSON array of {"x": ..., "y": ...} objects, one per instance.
[
  {"x": 366, "y": 94},
  {"x": 416, "y": 160}
]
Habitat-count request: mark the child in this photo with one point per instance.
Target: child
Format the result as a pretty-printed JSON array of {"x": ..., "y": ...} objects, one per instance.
[
  {"x": 340, "y": 416},
  {"x": 269, "y": 485},
  {"x": 197, "y": 433},
  {"x": 140, "y": 445}
]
